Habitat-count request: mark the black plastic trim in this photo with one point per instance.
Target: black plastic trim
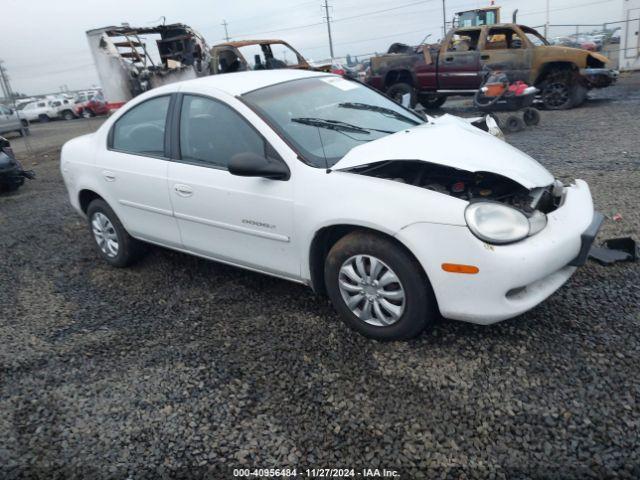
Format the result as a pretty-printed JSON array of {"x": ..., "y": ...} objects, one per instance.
[{"x": 587, "y": 238}]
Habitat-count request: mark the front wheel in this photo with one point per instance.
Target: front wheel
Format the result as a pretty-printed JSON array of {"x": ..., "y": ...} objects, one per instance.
[
  {"x": 558, "y": 90},
  {"x": 86, "y": 113},
  {"x": 378, "y": 288},
  {"x": 431, "y": 102},
  {"x": 398, "y": 90},
  {"x": 115, "y": 245}
]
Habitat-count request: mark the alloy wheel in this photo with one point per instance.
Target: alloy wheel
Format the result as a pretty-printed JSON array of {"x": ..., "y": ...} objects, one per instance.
[
  {"x": 556, "y": 94},
  {"x": 105, "y": 234},
  {"x": 371, "y": 290}
]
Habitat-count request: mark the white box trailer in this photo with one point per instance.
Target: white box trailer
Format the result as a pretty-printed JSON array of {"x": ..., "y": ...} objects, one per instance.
[
  {"x": 128, "y": 66},
  {"x": 630, "y": 36}
]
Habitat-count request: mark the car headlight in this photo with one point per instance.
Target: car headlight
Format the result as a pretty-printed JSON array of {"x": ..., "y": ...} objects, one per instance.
[{"x": 499, "y": 224}]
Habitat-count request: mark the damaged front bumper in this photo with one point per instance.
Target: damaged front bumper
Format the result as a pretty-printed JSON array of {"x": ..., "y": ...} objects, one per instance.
[
  {"x": 511, "y": 278},
  {"x": 599, "y": 77}
]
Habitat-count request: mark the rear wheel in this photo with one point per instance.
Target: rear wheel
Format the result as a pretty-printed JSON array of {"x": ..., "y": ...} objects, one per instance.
[
  {"x": 378, "y": 288},
  {"x": 68, "y": 115},
  {"x": 431, "y": 102},
  {"x": 43, "y": 118},
  {"x": 115, "y": 245},
  {"x": 398, "y": 90}
]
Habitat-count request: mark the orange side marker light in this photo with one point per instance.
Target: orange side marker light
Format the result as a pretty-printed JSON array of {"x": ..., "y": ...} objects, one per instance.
[{"x": 457, "y": 268}]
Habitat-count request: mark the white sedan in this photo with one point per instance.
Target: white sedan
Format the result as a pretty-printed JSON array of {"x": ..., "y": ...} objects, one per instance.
[{"x": 320, "y": 180}]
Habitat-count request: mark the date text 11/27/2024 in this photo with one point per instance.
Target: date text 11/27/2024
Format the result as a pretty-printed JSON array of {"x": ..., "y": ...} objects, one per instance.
[{"x": 316, "y": 472}]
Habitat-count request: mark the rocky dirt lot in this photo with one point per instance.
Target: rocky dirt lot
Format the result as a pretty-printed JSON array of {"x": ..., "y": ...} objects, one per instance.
[{"x": 180, "y": 367}]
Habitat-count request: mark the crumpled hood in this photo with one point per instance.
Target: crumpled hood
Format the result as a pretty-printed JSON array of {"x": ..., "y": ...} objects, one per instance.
[{"x": 452, "y": 142}]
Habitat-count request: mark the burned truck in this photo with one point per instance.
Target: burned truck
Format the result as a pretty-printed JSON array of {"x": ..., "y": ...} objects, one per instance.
[
  {"x": 128, "y": 63},
  {"x": 458, "y": 65}
]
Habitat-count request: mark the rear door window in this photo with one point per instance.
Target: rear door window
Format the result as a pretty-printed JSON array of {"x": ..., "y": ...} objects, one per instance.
[{"x": 141, "y": 130}]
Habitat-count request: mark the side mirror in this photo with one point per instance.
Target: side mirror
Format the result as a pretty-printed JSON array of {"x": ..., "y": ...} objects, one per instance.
[
  {"x": 249, "y": 164},
  {"x": 4, "y": 143}
]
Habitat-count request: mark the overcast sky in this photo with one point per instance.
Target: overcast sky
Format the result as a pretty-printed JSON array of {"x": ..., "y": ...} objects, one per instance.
[{"x": 43, "y": 43}]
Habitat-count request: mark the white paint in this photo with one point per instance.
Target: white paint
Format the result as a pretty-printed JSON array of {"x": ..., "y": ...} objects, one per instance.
[{"x": 284, "y": 216}]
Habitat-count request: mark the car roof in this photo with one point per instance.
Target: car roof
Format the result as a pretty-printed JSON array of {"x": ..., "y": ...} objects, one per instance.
[{"x": 242, "y": 82}]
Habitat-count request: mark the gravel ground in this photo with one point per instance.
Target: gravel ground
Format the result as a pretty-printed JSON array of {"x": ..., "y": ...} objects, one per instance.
[{"x": 179, "y": 367}]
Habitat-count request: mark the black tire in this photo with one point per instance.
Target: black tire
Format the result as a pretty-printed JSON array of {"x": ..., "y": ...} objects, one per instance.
[
  {"x": 420, "y": 309},
  {"x": 432, "y": 102},
  {"x": 129, "y": 249},
  {"x": 514, "y": 124},
  {"x": 531, "y": 116},
  {"x": 87, "y": 113},
  {"x": 43, "y": 118},
  {"x": 557, "y": 91},
  {"x": 398, "y": 90},
  {"x": 68, "y": 115},
  {"x": 25, "y": 123}
]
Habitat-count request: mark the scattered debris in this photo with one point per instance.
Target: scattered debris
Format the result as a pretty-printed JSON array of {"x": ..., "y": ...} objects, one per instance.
[
  {"x": 615, "y": 250},
  {"x": 617, "y": 217}
]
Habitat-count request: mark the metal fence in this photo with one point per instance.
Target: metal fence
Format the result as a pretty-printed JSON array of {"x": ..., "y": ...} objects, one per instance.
[{"x": 622, "y": 48}]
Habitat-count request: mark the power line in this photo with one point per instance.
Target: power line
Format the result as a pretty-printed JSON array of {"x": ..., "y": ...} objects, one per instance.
[
  {"x": 278, "y": 30},
  {"x": 334, "y": 20},
  {"x": 569, "y": 7},
  {"x": 382, "y": 11}
]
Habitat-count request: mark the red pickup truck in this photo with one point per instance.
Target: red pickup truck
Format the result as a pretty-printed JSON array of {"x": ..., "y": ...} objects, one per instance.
[{"x": 456, "y": 66}]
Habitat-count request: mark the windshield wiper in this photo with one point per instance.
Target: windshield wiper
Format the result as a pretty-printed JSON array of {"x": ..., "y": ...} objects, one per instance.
[
  {"x": 336, "y": 125},
  {"x": 375, "y": 108}
]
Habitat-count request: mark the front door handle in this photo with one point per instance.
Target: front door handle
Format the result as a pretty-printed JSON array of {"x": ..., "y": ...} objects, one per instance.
[
  {"x": 484, "y": 57},
  {"x": 109, "y": 176},
  {"x": 183, "y": 190}
]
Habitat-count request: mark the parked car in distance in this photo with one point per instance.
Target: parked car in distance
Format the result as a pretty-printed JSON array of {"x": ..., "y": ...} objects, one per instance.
[
  {"x": 95, "y": 105},
  {"x": 320, "y": 180},
  {"x": 38, "y": 111},
  {"x": 456, "y": 66},
  {"x": 64, "y": 108},
  {"x": 242, "y": 55},
  {"x": 11, "y": 122}
]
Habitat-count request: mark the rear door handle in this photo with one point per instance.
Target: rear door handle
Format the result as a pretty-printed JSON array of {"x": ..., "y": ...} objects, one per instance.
[
  {"x": 484, "y": 57},
  {"x": 108, "y": 176},
  {"x": 183, "y": 190}
]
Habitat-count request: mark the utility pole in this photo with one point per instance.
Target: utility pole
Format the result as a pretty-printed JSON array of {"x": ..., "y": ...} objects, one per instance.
[
  {"x": 326, "y": 10},
  {"x": 546, "y": 23},
  {"x": 4, "y": 82},
  {"x": 444, "y": 19},
  {"x": 226, "y": 32}
]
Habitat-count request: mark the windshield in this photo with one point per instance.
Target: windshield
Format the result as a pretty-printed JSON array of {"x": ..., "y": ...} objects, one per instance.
[
  {"x": 325, "y": 117},
  {"x": 534, "y": 37}
]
